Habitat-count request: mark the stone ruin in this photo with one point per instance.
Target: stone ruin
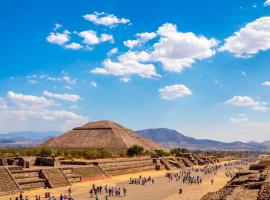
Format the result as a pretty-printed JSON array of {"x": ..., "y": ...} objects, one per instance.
[
  {"x": 44, "y": 161},
  {"x": 253, "y": 184},
  {"x": 18, "y": 178}
]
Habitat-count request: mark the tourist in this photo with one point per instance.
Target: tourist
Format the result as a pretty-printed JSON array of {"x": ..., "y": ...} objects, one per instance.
[{"x": 125, "y": 191}]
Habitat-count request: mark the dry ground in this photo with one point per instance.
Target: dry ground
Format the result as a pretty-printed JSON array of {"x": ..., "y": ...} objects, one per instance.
[{"x": 161, "y": 190}]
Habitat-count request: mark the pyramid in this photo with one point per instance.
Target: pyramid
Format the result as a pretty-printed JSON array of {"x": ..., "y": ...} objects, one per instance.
[{"x": 101, "y": 135}]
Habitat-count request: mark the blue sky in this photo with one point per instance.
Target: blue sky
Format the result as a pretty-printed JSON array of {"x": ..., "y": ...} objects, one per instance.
[{"x": 200, "y": 67}]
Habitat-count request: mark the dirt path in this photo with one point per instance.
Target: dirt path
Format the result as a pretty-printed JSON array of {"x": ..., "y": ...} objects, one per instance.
[{"x": 161, "y": 190}]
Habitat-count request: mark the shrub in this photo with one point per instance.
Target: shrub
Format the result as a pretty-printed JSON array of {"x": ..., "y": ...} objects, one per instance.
[
  {"x": 135, "y": 150},
  {"x": 178, "y": 151},
  {"x": 161, "y": 153},
  {"x": 45, "y": 152}
]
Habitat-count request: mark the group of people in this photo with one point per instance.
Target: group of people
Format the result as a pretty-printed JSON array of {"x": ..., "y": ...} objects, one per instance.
[
  {"x": 47, "y": 196},
  {"x": 109, "y": 191},
  {"x": 185, "y": 176},
  {"x": 141, "y": 180}
]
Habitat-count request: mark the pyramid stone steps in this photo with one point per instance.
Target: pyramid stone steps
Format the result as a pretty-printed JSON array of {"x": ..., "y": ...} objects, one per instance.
[
  {"x": 167, "y": 165},
  {"x": 31, "y": 183},
  {"x": 56, "y": 177},
  {"x": 21, "y": 174},
  {"x": 8, "y": 184},
  {"x": 186, "y": 162}
]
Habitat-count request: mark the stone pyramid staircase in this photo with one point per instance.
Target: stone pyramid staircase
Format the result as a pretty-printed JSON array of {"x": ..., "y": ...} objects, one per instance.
[
  {"x": 55, "y": 177},
  {"x": 72, "y": 177},
  {"x": 166, "y": 163},
  {"x": 8, "y": 185},
  {"x": 176, "y": 163},
  {"x": 28, "y": 178},
  {"x": 186, "y": 162}
]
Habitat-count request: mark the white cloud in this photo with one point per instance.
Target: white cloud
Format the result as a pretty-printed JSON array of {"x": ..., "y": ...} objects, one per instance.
[
  {"x": 64, "y": 78},
  {"x": 65, "y": 96},
  {"x": 57, "y": 26},
  {"x": 249, "y": 40},
  {"x": 141, "y": 39},
  {"x": 94, "y": 84},
  {"x": 241, "y": 118},
  {"x": 29, "y": 99},
  {"x": 174, "y": 50},
  {"x": 127, "y": 66},
  {"x": 106, "y": 38},
  {"x": 267, "y": 3},
  {"x": 112, "y": 52},
  {"x": 177, "y": 50},
  {"x": 74, "y": 46},
  {"x": 90, "y": 37},
  {"x": 174, "y": 91},
  {"x": 266, "y": 83},
  {"x": 27, "y": 112},
  {"x": 32, "y": 81},
  {"x": 104, "y": 19},
  {"x": 246, "y": 101},
  {"x": 58, "y": 38}
]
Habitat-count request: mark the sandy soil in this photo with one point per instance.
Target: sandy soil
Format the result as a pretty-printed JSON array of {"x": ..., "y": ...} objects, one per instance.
[{"x": 161, "y": 190}]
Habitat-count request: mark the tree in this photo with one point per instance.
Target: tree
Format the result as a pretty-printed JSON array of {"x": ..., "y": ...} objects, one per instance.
[
  {"x": 161, "y": 153},
  {"x": 45, "y": 152},
  {"x": 135, "y": 150},
  {"x": 178, "y": 151}
]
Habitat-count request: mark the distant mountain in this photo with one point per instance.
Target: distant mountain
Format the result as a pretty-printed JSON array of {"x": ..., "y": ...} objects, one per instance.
[
  {"x": 267, "y": 144},
  {"x": 26, "y": 138},
  {"x": 171, "y": 139}
]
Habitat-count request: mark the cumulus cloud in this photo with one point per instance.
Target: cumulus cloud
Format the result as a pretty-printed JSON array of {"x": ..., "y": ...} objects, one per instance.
[
  {"x": 266, "y": 84},
  {"x": 101, "y": 18},
  {"x": 90, "y": 37},
  {"x": 267, "y": 3},
  {"x": 112, "y": 52},
  {"x": 74, "y": 46},
  {"x": 246, "y": 101},
  {"x": 21, "y": 112},
  {"x": 58, "y": 38},
  {"x": 249, "y": 40},
  {"x": 174, "y": 50},
  {"x": 141, "y": 39},
  {"x": 65, "y": 96},
  {"x": 174, "y": 91},
  {"x": 29, "y": 99},
  {"x": 178, "y": 50},
  {"x": 127, "y": 66}
]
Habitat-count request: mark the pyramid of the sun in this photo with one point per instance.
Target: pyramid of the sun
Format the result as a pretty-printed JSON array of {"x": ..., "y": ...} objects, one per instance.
[{"x": 101, "y": 135}]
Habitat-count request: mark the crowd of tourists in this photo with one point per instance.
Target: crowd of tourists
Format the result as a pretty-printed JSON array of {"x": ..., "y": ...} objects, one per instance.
[
  {"x": 109, "y": 191},
  {"x": 46, "y": 196},
  {"x": 185, "y": 177},
  {"x": 141, "y": 180}
]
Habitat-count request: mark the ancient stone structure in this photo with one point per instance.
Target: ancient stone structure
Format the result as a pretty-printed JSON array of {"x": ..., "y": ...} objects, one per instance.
[
  {"x": 101, "y": 135},
  {"x": 7, "y": 183},
  {"x": 44, "y": 161},
  {"x": 17, "y": 178},
  {"x": 253, "y": 184}
]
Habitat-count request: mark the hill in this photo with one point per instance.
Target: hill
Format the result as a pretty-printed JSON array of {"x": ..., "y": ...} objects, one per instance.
[
  {"x": 171, "y": 139},
  {"x": 25, "y": 138}
]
